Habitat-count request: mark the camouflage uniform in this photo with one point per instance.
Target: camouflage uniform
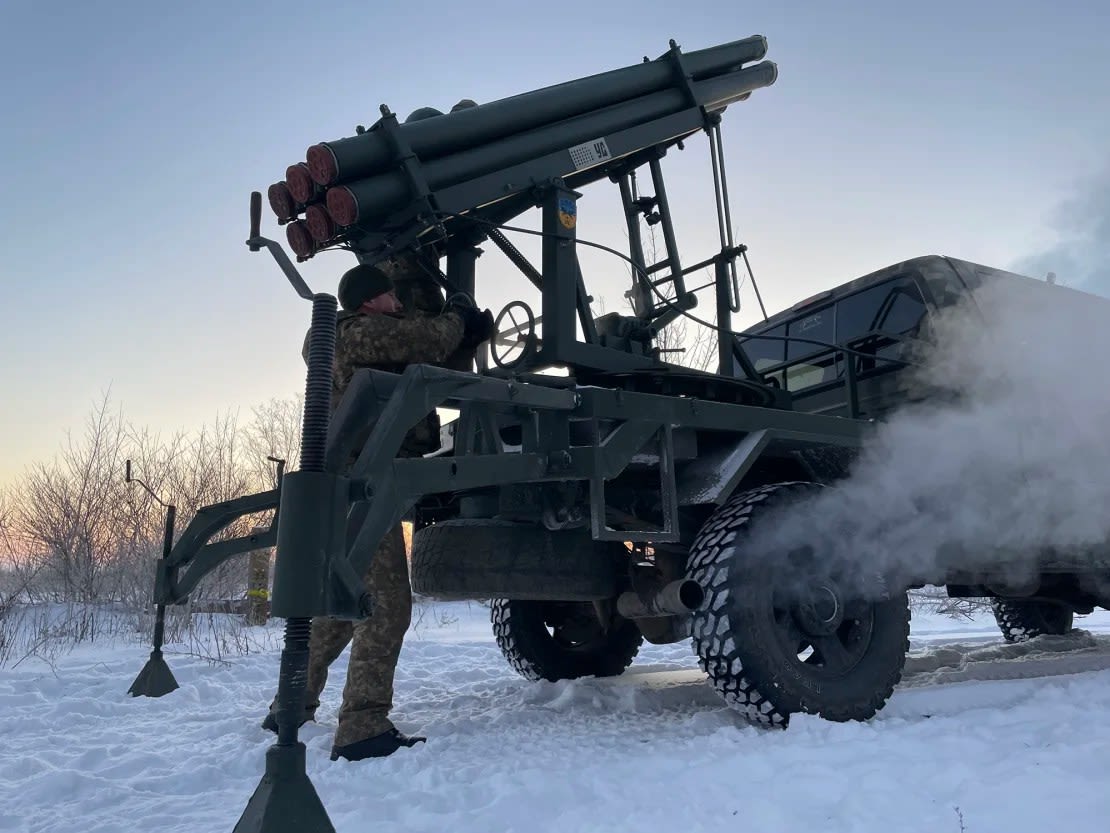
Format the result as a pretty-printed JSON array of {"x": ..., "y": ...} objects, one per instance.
[
  {"x": 384, "y": 342},
  {"x": 421, "y": 296}
]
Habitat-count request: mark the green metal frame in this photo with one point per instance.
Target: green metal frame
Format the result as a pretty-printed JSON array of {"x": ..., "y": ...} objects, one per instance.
[
  {"x": 380, "y": 487},
  {"x": 619, "y": 412}
]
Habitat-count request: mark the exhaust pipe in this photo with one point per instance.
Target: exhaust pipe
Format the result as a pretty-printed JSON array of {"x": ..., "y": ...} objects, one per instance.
[{"x": 675, "y": 599}]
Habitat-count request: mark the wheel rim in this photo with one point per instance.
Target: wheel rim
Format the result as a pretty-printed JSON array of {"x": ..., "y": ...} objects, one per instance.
[
  {"x": 572, "y": 627},
  {"x": 821, "y": 632}
]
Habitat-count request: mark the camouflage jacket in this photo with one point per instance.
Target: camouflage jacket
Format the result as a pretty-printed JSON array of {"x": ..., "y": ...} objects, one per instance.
[
  {"x": 421, "y": 295},
  {"x": 390, "y": 343}
]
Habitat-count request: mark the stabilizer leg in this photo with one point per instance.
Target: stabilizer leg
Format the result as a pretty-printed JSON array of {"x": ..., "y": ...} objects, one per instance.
[
  {"x": 285, "y": 800},
  {"x": 156, "y": 679}
]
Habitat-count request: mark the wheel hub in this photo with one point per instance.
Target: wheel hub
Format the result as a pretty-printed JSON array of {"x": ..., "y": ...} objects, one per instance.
[{"x": 820, "y": 612}]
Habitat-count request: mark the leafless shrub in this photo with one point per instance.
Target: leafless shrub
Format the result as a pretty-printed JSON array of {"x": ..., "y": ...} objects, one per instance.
[
  {"x": 936, "y": 600},
  {"x": 216, "y": 637},
  {"x": 689, "y": 344},
  {"x": 72, "y": 506},
  {"x": 428, "y": 613},
  {"x": 684, "y": 341},
  {"x": 79, "y": 545},
  {"x": 274, "y": 432}
]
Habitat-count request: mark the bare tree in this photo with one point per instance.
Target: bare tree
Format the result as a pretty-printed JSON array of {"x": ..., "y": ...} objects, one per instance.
[
  {"x": 697, "y": 351},
  {"x": 72, "y": 506},
  {"x": 19, "y": 556},
  {"x": 9, "y": 590},
  {"x": 274, "y": 432},
  {"x": 76, "y": 535},
  {"x": 683, "y": 342},
  {"x": 7, "y": 529}
]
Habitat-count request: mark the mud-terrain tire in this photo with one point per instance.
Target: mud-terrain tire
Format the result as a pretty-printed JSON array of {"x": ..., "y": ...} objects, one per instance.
[
  {"x": 561, "y": 640},
  {"x": 1021, "y": 620},
  {"x": 751, "y": 644}
]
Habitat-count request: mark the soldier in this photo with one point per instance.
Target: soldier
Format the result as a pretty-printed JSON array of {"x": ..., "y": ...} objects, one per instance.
[
  {"x": 420, "y": 295},
  {"x": 373, "y": 332}
]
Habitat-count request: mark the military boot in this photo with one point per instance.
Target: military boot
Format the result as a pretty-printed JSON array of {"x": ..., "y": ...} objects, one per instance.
[{"x": 379, "y": 746}]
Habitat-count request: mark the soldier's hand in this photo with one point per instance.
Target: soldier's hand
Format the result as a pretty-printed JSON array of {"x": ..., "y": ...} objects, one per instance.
[{"x": 477, "y": 325}]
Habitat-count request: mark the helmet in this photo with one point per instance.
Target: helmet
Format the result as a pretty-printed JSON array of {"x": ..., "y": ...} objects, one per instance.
[
  {"x": 361, "y": 284},
  {"x": 423, "y": 113}
]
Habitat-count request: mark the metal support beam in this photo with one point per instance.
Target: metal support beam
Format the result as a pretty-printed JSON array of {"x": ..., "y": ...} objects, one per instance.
[
  {"x": 643, "y": 304},
  {"x": 461, "y": 264},
  {"x": 668, "y": 231},
  {"x": 560, "y": 274},
  {"x": 192, "y": 547},
  {"x": 725, "y": 363}
]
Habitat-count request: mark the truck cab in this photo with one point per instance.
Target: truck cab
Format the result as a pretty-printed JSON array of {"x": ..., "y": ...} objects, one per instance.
[{"x": 885, "y": 317}]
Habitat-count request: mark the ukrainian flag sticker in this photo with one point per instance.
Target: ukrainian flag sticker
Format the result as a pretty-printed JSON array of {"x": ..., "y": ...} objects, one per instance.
[{"x": 568, "y": 213}]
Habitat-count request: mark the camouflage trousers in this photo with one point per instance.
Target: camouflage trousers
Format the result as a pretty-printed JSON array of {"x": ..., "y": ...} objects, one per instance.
[{"x": 375, "y": 645}]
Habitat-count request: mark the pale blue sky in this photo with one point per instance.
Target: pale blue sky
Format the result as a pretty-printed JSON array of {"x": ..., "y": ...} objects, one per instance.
[{"x": 133, "y": 132}]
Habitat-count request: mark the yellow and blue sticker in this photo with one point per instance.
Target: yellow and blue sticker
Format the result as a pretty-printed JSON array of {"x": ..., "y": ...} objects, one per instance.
[{"x": 568, "y": 212}]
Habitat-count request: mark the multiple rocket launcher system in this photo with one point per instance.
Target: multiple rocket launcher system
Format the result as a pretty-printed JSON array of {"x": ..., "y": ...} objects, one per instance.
[{"x": 361, "y": 183}]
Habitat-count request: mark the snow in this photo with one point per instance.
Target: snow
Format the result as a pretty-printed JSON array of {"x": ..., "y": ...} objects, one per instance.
[{"x": 980, "y": 736}]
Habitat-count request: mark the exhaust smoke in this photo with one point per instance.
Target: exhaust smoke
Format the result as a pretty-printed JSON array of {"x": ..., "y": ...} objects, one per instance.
[{"x": 1006, "y": 458}]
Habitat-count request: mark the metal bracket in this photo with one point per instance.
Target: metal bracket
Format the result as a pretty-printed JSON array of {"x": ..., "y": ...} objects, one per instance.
[
  {"x": 668, "y": 489},
  {"x": 674, "y": 55},
  {"x": 408, "y": 162},
  {"x": 193, "y": 550}
]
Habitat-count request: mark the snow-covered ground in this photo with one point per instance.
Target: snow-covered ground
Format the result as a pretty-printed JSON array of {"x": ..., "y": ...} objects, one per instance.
[{"x": 980, "y": 737}]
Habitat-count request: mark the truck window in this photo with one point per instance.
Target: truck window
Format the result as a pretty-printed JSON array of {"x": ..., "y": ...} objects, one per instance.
[
  {"x": 810, "y": 364},
  {"x": 816, "y": 325},
  {"x": 767, "y": 352},
  {"x": 876, "y": 319}
]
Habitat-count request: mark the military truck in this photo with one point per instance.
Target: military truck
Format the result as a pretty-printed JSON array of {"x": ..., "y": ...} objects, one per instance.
[
  {"x": 598, "y": 493},
  {"x": 887, "y": 317}
]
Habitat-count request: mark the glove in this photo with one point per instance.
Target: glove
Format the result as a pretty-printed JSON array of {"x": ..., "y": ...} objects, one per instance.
[{"x": 477, "y": 324}]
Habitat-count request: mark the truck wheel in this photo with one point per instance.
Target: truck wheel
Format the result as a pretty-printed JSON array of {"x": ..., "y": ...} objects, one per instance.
[
  {"x": 561, "y": 640},
  {"x": 770, "y": 653},
  {"x": 1022, "y": 619}
]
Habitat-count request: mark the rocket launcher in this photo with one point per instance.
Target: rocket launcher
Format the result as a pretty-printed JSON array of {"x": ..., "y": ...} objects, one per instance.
[{"x": 397, "y": 180}]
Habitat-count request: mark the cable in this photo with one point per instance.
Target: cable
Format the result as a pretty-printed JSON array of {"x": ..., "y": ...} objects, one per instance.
[{"x": 668, "y": 303}]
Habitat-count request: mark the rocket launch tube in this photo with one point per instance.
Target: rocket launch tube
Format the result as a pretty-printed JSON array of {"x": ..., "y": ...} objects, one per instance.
[
  {"x": 375, "y": 197},
  {"x": 357, "y": 157}
]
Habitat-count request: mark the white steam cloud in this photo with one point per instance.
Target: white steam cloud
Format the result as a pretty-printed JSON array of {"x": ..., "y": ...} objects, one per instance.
[
  {"x": 1081, "y": 257},
  {"x": 1015, "y": 462}
]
